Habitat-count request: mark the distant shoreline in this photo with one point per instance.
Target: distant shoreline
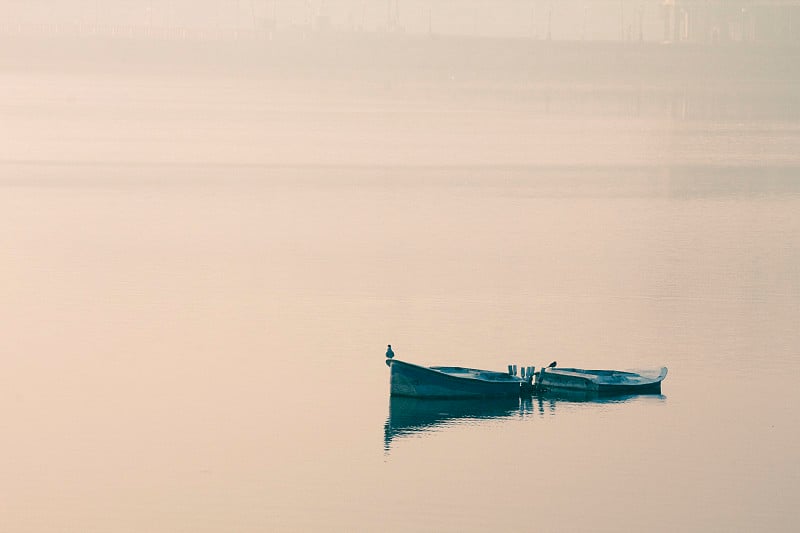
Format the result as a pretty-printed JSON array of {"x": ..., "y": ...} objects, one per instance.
[{"x": 398, "y": 57}]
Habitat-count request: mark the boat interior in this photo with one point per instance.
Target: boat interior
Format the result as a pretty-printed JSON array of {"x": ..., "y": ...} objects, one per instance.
[{"x": 473, "y": 373}]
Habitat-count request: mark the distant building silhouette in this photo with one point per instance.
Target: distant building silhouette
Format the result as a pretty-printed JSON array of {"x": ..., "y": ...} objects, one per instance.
[{"x": 719, "y": 21}]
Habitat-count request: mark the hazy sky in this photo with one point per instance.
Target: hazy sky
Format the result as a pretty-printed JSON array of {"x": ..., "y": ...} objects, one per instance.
[{"x": 568, "y": 19}]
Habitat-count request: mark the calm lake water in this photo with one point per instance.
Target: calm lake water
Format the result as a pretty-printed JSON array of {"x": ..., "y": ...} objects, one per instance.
[{"x": 200, "y": 276}]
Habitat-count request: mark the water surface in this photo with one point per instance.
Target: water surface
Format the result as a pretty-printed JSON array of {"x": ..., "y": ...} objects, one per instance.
[{"x": 200, "y": 278}]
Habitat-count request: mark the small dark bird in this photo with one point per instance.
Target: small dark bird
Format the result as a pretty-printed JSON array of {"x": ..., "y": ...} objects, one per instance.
[
  {"x": 552, "y": 365},
  {"x": 389, "y": 352}
]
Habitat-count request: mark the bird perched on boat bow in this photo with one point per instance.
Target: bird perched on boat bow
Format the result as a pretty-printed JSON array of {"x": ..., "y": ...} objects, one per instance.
[
  {"x": 389, "y": 352},
  {"x": 552, "y": 365}
]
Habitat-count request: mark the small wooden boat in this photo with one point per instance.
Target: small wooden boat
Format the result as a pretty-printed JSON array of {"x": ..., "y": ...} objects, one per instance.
[
  {"x": 601, "y": 381},
  {"x": 451, "y": 381}
]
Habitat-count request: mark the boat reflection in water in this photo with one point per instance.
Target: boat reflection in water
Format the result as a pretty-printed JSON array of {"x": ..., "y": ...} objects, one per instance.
[
  {"x": 551, "y": 397},
  {"x": 417, "y": 417},
  {"x": 410, "y": 416}
]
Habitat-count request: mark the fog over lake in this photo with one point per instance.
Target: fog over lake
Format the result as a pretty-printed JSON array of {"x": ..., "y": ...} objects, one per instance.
[{"x": 217, "y": 214}]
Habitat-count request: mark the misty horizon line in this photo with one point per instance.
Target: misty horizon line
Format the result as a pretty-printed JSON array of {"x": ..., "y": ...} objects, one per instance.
[
  {"x": 132, "y": 33},
  {"x": 576, "y": 20}
]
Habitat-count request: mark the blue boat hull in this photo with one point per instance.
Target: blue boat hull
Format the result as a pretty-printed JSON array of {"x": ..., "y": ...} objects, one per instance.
[{"x": 423, "y": 382}]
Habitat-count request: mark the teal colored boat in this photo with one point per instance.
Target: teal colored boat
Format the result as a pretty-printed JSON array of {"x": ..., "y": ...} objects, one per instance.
[
  {"x": 601, "y": 381},
  {"x": 452, "y": 382}
]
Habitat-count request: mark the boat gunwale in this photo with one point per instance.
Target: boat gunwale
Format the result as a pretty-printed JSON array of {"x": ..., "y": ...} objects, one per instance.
[
  {"x": 597, "y": 376},
  {"x": 471, "y": 378}
]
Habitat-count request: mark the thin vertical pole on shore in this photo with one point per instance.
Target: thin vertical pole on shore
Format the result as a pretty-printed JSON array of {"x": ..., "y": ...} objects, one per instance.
[
  {"x": 641, "y": 21},
  {"x": 585, "y": 15},
  {"x": 430, "y": 20}
]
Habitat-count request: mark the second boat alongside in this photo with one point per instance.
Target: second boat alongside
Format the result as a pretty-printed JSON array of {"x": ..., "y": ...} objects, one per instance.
[{"x": 601, "y": 381}]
